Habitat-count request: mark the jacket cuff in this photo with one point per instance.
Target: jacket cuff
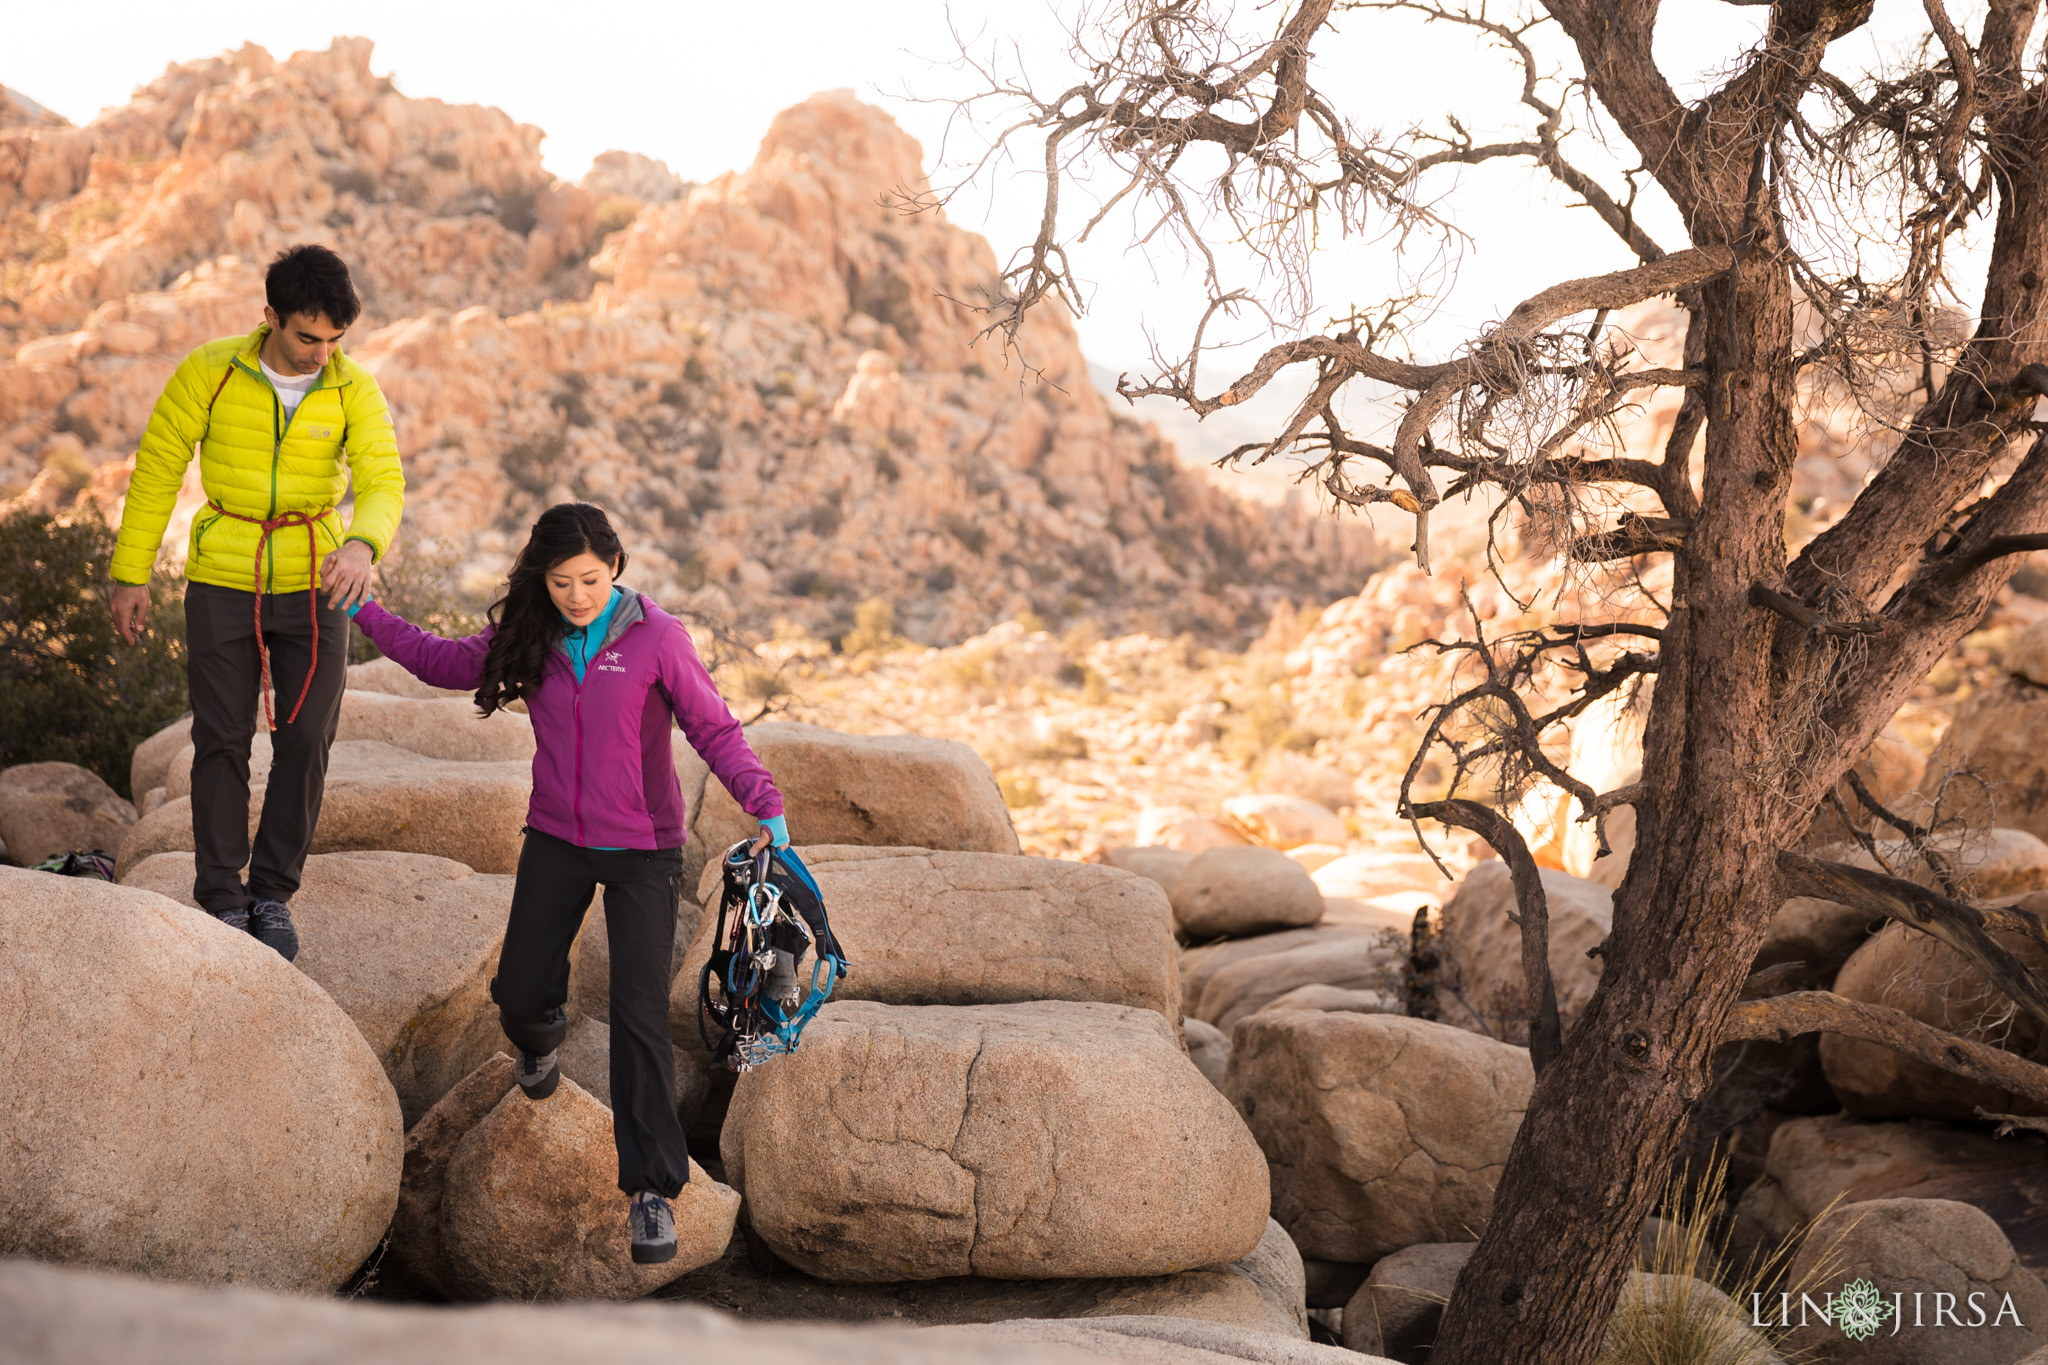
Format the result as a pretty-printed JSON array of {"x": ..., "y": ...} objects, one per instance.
[{"x": 376, "y": 550}]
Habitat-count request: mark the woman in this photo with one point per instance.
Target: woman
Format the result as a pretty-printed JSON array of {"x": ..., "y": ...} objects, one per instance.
[{"x": 601, "y": 669}]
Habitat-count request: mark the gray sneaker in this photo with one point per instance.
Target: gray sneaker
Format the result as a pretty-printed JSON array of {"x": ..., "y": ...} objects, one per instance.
[
  {"x": 270, "y": 922},
  {"x": 537, "y": 1074},
  {"x": 654, "y": 1228},
  {"x": 237, "y": 918}
]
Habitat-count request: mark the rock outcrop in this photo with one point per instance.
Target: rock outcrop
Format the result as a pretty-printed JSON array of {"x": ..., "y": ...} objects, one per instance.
[
  {"x": 1995, "y": 737},
  {"x": 405, "y": 943},
  {"x": 766, "y": 379},
  {"x": 1037, "y": 1140},
  {"x": 211, "y": 1116},
  {"x": 1381, "y": 1131}
]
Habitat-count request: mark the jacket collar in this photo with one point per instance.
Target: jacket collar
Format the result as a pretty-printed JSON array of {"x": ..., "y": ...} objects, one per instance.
[
  {"x": 628, "y": 611},
  {"x": 332, "y": 376}
]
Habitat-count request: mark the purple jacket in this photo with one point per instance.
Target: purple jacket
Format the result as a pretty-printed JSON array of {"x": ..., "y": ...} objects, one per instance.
[{"x": 603, "y": 773}]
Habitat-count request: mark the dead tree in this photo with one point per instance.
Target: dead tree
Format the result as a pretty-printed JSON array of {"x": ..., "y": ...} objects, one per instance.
[{"x": 1773, "y": 670}]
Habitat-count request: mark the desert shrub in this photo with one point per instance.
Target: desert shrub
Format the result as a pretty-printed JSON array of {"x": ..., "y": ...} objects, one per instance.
[
  {"x": 615, "y": 211},
  {"x": 874, "y": 629},
  {"x": 71, "y": 690},
  {"x": 1697, "y": 1310},
  {"x": 1020, "y": 790}
]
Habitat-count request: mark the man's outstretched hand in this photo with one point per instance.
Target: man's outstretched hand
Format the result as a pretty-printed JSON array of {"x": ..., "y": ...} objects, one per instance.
[
  {"x": 130, "y": 602},
  {"x": 346, "y": 575}
]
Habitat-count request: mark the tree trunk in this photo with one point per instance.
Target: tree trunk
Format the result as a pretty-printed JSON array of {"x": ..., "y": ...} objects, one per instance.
[{"x": 1590, "y": 1159}]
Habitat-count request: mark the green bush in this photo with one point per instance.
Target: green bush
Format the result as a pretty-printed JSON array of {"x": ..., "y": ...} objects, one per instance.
[{"x": 71, "y": 689}]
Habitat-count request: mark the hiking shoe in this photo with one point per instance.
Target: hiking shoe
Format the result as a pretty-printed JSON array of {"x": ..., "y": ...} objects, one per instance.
[
  {"x": 270, "y": 922},
  {"x": 654, "y": 1228},
  {"x": 537, "y": 1074},
  {"x": 238, "y": 918}
]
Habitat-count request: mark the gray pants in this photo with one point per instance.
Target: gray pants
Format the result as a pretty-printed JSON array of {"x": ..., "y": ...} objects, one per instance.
[{"x": 225, "y": 674}]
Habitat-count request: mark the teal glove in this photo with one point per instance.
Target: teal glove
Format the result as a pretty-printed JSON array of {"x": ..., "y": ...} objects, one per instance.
[{"x": 778, "y": 830}]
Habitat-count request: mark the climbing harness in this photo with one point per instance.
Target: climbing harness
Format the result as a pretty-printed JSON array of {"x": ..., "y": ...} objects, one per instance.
[{"x": 750, "y": 991}]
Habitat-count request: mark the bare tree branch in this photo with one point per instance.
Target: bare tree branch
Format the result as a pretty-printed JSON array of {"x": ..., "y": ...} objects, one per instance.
[
  {"x": 1783, "y": 1018},
  {"x": 1958, "y": 925},
  {"x": 1533, "y": 909}
]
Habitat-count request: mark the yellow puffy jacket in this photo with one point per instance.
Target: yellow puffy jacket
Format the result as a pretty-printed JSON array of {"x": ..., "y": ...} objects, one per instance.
[{"x": 256, "y": 464}]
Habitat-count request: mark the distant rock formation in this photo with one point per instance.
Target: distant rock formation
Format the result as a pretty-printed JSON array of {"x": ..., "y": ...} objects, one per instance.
[{"x": 772, "y": 378}]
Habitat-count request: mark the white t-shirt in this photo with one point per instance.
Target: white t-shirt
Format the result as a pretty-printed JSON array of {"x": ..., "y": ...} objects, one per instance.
[{"x": 291, "y": 388}]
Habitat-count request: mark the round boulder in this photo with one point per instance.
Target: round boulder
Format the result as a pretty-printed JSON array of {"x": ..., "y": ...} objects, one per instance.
[
  {"x": 902, "y": 790},
  {"x": 1048, "y": 1140},
  {"x": 1909, "y": 971},
  {"x": 531, "y": 1207},
  {"x": 47, "y": 809},
  {"x": 1923, "y": 1258},
  {"x": 182, "y": 1102},
  {"x": 926, "y": 928},
  {"x": 1381, "y": 1131},
  {"x": 406, "y": 943},
  {"x": 1235, "y": 892},
  {"x": 1160, "y": 864}
]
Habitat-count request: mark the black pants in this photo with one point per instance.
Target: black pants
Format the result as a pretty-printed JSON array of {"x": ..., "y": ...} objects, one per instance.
[
  {"x": 225, "y": 674},
  {"x": 555, "y": 882}
]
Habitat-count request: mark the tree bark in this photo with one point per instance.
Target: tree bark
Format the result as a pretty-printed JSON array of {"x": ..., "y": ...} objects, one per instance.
[{"x": 1720, "y": 755}]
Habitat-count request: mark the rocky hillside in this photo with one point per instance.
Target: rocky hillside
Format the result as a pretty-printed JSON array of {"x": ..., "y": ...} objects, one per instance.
[{"x": 766, "y": 377}]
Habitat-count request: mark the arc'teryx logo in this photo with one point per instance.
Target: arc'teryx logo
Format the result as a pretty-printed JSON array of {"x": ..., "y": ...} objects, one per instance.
[
  {"x": 1859, "y": 1310},
  {"x": 609, "y": 662}
]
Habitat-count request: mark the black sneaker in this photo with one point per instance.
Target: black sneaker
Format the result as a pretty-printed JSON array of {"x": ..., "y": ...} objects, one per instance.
[
  {"x": 538, "y": 1075},
  {"x": 238, "y": 918},
  {"x": 271, "y": 924},
  {"x": 654, "y": 1228}
]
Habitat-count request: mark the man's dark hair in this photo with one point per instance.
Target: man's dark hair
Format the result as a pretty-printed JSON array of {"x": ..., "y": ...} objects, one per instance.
[{"x": 311, "y": 280}]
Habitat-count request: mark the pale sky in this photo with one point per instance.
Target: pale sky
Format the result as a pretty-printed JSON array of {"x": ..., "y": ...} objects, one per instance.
[{"x": 696, "y": 84}]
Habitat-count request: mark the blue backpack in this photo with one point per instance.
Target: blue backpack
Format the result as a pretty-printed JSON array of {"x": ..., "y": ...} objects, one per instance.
[{"x": 771, "y": 915}]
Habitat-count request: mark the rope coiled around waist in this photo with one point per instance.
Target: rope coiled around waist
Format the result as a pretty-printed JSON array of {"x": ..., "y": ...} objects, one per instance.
[{"x": 269, "y": 528}]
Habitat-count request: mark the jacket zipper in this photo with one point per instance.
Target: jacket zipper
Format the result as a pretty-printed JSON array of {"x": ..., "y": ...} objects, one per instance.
[
  {"x": 577, "y": 803},
  {"x": 576, "y": 799}
]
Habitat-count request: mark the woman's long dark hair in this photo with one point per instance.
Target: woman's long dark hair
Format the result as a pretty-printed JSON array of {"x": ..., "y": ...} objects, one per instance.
[{"x": 527, "y": 621}]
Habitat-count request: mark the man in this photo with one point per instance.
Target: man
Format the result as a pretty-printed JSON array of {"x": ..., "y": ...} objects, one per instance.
[{"x": 282, "y": 420}]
